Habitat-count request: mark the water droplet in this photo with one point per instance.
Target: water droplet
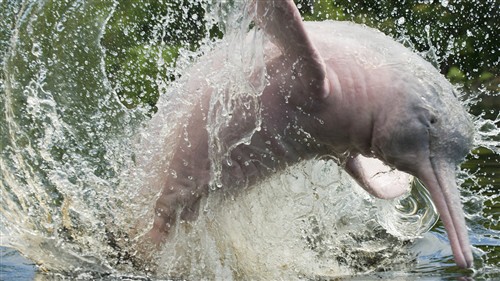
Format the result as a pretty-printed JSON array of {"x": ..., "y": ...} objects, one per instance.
[
  {"x": 427, "y": 28},
  {"x": 160, "y": 61},
  {"x": 173, "y": 173},
  {"x": 60, "y": 27},
  {"x": 36, "y": 50}
]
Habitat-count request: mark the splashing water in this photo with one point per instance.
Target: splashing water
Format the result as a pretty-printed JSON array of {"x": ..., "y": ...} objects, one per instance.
[{"x": 82, "y": 160}]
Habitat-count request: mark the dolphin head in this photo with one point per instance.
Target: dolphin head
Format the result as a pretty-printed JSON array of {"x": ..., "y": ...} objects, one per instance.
[{"x": 425, "y": 131}]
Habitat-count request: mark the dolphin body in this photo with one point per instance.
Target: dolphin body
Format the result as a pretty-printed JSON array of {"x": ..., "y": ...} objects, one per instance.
[{"x": 334, "y": 89}]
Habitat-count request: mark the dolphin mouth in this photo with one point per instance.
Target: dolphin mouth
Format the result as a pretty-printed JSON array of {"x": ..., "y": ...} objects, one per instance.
[{"x": 441, "y": 182}]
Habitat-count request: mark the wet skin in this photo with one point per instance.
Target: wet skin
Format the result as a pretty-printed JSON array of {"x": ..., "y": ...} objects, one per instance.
[{"x": 334, "y": 90}]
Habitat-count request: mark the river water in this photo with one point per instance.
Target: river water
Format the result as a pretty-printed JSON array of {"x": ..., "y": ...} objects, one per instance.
[{"x": 71, "y": 180}]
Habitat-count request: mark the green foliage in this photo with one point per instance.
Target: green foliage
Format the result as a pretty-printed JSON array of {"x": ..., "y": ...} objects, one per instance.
[
  {"x": 455, "y": 75},
  {"x": 142, "y": 41},
  {"x": 138, "y": 72}
]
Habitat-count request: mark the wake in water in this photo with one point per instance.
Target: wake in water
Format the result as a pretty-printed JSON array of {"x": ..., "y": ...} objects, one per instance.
[{"x": 75, "y": 161}]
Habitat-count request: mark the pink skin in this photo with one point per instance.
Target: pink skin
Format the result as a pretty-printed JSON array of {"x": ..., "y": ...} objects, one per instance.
[{"x": 355, "y": 95}]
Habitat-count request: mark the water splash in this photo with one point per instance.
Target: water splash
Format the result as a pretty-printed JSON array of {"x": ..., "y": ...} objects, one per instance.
[{"x": 72, "y": 184}]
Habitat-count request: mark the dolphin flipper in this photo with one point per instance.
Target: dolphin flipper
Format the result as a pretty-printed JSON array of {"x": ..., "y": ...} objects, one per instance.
[
  {"x": 282, "y": 22},
  {"x": 377, "y": 178}
]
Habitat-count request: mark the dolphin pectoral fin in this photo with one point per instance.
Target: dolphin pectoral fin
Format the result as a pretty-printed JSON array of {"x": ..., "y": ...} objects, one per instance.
[
  {"x": 441, "y": 182},
  {"x": 281, "y": 21},
  {"x": 377, "y": 178}
]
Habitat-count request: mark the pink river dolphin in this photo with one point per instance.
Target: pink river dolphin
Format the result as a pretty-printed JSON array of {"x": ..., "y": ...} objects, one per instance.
[{"x": 334, "y": 89}]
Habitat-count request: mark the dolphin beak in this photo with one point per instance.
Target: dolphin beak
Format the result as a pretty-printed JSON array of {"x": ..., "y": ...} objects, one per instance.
[{"x": 440, "y": 180}]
